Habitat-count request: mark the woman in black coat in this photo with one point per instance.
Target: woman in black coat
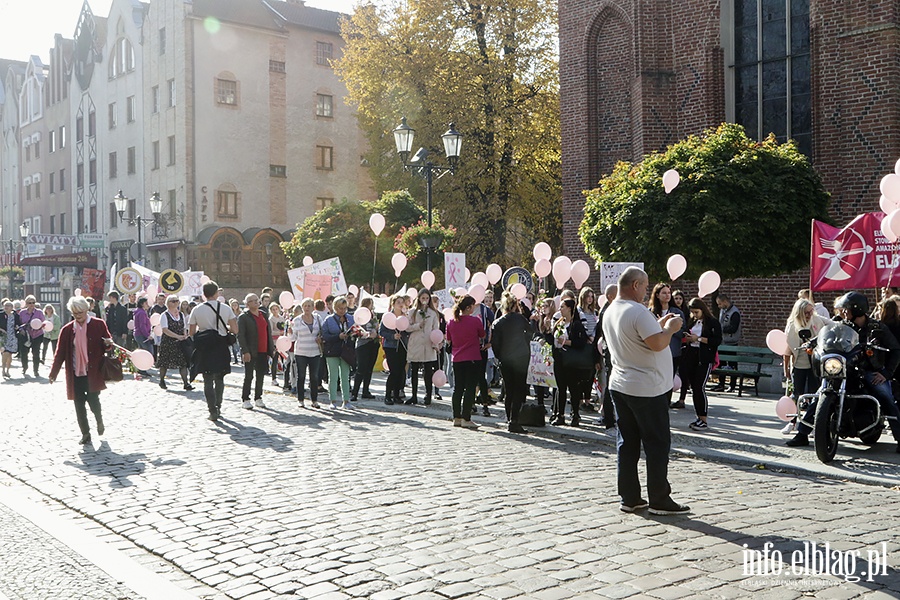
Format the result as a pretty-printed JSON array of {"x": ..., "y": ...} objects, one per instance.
[
  {"x": 573, "y": 362},
  {"x": 701, "y": 343},
  {"x": 511, "y": 341}
]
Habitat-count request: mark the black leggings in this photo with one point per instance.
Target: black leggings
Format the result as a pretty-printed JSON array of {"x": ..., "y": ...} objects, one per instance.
[
  {"x": 467, "y": 374},
  {"x": 428, "y": 369},
  {"x": 396, "y": 359},
  {"x": 366, "y": 355}
]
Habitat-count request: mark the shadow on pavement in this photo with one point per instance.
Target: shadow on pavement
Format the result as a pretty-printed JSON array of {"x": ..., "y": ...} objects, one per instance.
[
  {"x": 254, "y": 436},
  {"x": 103, "y": 462}
]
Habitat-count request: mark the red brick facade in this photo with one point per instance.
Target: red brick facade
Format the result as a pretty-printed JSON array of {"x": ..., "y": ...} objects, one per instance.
[{"x": 638, "y": 75}]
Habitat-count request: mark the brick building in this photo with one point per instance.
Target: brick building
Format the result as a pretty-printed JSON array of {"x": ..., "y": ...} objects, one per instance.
[{"x": 638, "y": 75}]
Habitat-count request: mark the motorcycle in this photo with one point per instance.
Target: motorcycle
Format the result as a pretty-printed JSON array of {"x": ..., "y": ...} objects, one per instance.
[{"x": 843, "y": 407}]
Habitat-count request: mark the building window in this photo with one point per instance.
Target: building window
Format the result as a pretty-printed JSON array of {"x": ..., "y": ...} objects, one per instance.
[
  {"x": 27, "y": 152},
  {"x": 131, "y": 109},
  {"x": 132, "y": 208},
  {"x": 171, "y": 93},
  {"x": 122, "y": 59},
  {"x": 79, "y": 129},
  {"x": 80, "y": 220},
  {"x": 79, "y": 175},
  {"x": 324, "y": 105},
  {"x": 226, "y": 205},
  {"x": 93, "y": 217},
  {"x": 155, "y": 101},
  {"x": 226, "y": 92},
  {"x": 156, "y": 154},
  {"x": 62, "y": 137},
  {"x": 37, "y": 149},
  {"x": 173, "y": 206},
  {"x": 92, "y": 171},
  {"x": 171, "y": 150},
  {"x": 276, "y": 66},
  {"x": 28, "y": 191},
  {"x": 52, "y": 182},
  {"x": 37, "y": 189},
  {"x": 770, "y": 73},
  {"x": 62, "y": 223},
  {"x": 52, "y": 224},
  {"x": 324, "y": 53},
  {"x": 92, "y": 124},
  {"x": 113, "y": 165},
  {"x": 322, "y": 203},
  {"x": 132, "y": 163},
  {"x": 51, "y": 142},
  {"x": 113, "y": 117},
  {"x": 113, "y": 215},
  {"x": 62, "y": 180},
  {"x": 162, "y": 41},
  {"x": 324, "y": 158},
  {"x": 277, "y": 171}
]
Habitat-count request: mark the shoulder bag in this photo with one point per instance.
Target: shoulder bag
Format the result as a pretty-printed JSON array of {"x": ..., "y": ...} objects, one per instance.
[
  {"x": 230, "y": 338},
  {"x": 111, "y": 368}
]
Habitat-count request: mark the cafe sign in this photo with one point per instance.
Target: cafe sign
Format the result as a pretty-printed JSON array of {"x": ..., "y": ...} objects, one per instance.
[{"x": 92, "y": 240}]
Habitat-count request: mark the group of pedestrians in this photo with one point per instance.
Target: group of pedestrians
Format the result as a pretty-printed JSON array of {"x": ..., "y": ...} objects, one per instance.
[{"x": 26, "y": 331}]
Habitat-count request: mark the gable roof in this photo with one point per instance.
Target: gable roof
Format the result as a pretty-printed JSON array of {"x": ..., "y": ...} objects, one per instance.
[
  {"x": 244, "y": 12},
  {"x": 306, "y": 16}
]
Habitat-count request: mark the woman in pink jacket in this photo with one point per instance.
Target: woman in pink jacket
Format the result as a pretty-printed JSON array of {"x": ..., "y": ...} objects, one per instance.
[{"x": 464, "y": 334}]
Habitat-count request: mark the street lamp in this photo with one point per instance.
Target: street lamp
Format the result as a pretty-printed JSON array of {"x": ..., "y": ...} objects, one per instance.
[
  {"x": 11, "y": 252},
  {"x": 155, "y": 207},
  {"x": 419, "y": 164}
]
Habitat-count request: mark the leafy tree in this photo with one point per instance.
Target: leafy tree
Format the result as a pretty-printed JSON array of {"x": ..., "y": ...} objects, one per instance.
[
  {"x": 743, "y": 208},
  {"x": 489, "y": 66},
  {"x": 343, "y": 230}
]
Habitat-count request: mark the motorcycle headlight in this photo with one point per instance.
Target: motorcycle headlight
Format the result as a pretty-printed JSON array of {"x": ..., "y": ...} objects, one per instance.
[{"x": 833, "y": 366}]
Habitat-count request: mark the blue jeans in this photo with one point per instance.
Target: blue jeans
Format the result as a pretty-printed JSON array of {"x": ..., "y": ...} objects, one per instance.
[
  {"x": 643, "y": 421},
  {"x": 305, "y": 363}
]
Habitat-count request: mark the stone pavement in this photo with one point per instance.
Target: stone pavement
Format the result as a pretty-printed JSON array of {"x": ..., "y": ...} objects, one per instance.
[{"x": 393, "y": 502}]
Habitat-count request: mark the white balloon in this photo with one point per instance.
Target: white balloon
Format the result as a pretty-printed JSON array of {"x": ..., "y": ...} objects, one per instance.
[
  {"x": 890, "y": 187},
  {"x": 307, "y": 260},
  {"x": 402, "y": 323},
  {"x": 562, "y": 269},
  {"x": 376, "y": 223},
  {"x": 494, "y": 273},
  {"x": 671, "y": 179},
  {"x": 542, "y": 267},
  {"x": 427, "y": 279},
  {"x": 481, "y": 279},
  {"x": 398, "y": 261},
  {"x": 286, "y": 299},
  {"x": 389, "y": 320},
  {"x": 897, "y": 167},
  {"x": 708, "y": 283},
  {"x": 468, "y": 274},
  {"x": 887, "y": 205},
  {"x": 460, "y": 292},
  {"x": 676, "y": 266},
  {"x": 580, "y": 272},
  {"x": 362, "y": 316},
  {"x": 887, "y": 230},
  {"x": 353, "y": 290},
  {"x": 477, "y": 292},
  {"x": 518, "y": 290},
  {"x": 542, "y": 250}
]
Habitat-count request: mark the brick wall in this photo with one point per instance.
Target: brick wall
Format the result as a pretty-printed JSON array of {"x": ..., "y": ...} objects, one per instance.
[{"x": 672, "y": 57}]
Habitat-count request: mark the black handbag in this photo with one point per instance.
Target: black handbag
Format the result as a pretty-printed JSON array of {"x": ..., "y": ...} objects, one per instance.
[
  {"x": 348, "y": 352},
  {"x": 531, "y": 415},
  {"x": 111, "y": 368}
]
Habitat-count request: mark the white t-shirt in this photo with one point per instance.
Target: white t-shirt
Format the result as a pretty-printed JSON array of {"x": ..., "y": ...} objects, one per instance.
[
  {"x": 204, "y": 317},
  {"x": 636, "y": 369}
]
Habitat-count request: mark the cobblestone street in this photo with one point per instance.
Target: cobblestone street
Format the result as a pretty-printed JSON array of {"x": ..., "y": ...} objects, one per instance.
[{"x": 382, "y": 504}]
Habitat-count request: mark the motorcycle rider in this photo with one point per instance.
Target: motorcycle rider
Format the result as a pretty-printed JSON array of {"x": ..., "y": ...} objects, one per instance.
[{"x": 877, "y": 369}]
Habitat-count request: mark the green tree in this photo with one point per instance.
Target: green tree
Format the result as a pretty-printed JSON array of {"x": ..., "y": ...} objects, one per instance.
[
  {"x": 489, "y": 66},
  {"x": 343, "y": 230},
  {"x": 743, "y": 208}
]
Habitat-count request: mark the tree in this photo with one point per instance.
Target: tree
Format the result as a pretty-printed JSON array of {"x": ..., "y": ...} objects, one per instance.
[
  {"x": 490, "y": 66},
  {"x": 743, "y": 208},
  {"x": 343, "y": 230}
]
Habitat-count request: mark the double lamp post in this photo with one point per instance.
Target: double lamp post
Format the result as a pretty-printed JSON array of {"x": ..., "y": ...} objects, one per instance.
[
  {"x": 422, "y": 166},
  {"x": 155, "y": 207}
]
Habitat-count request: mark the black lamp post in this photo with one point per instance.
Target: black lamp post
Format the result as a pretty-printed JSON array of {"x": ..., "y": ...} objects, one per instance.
[
  {"x": 155, "y": 208},
  {"x": 420, "y": 165},
  {"x": 23, "y": 233}
]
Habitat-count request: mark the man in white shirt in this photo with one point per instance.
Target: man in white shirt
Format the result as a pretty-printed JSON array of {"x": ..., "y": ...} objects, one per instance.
[
  {"x": 641, "y": 386},
  {"x": 213, "y": 358}
]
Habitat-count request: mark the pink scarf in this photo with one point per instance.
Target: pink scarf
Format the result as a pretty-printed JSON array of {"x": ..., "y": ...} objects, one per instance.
[{"x": 81, "y": 348}]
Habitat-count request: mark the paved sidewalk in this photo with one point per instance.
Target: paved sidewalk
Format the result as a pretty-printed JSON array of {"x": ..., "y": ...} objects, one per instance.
[{"x": 393, "y": 502}]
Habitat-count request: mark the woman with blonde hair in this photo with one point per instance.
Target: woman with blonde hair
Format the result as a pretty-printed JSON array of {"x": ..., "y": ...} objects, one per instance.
[
  {"x": 421, "y": 352},
  {"x": 339, "y": 349},
  {"x": 171, "y": 352},
  {"x": 797, "y": 365},
  {"x": 306, "y": 333}
]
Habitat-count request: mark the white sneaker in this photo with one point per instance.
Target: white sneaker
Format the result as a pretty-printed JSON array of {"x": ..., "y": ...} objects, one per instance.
[
  {"x": 260, "y": 403},
  {"x": 247, "y": 405},
  {"x": 302, "y": 405},
  {"x": 346, "y": 406},
  {"x": 469, "y": 425},
  {"x": 332, "y": 406},
  {"x": 787, "y": 429}
]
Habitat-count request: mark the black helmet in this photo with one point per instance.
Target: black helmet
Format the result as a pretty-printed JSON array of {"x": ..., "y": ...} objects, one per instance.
[{"x": 856, "y": 303}]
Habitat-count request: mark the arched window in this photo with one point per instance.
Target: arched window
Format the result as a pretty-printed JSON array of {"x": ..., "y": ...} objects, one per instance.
[
  {"x": 226, "y": 248},
  {"x": 769, "y": 81},
  {"x": 266, "y": 261},
  {"x": 122, "y": 59}
]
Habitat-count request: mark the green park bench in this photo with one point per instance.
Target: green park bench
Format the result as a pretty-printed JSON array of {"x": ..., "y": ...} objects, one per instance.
[{"x": 750, "y": 361}]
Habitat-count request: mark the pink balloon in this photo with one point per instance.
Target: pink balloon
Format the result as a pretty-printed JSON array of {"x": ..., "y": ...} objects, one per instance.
[
  {"x": 526, "y": 302},
  {"x": 676, "y": 384},
  {"x": 384, "y": 365},
  {"x": 518, "y": 290},
  {"x": 412, "y": 293},
  {"x": 557, "y": 300},
  {"x": 353, "y": 290},
  {"x": 427, "y": 279},
  {"x": 477, "y": 292},
  {"x": 141, "y": 359},
  {"x": 890, "y": 187},
  {"x": 307, "y": 260},
  {"x": 376, "y": 223},
  {"x": 468, "y": 274},
  {"x": 402, "y": 323},
  {"x": 542, "y": 251},
  {"x": 481, "y": 279},
  {"x": 676, "y": 265},
  {"x": 131, "y": 325},
  {"x": 671, "y": 179},
  {"x": 777, "y": 342},
  {"x": 448, "y": 313},
  {"x": 580, "y": 272},
  {"x": 283, "y": 343},
  {"x": 887, "y": 205},
  {"x": 494, "y": 272},
  {"x": 152, "y": 290},
  {"x": 542, "y": 267},
  {"x": 204, "y": 280},
  {"x": 439, "y": 378},
  {"x": 897, "y": 167},
  {"x": 887, "y": 230},
  {"x": 78, "y": 292},
  {"x": 48, "y": 325},
  {"x": 398, "y": 261},
  {"x": 362, "y": 316},
  {"x": 155, "y": 319},
  {"x": 436, "y": 337},
  {"x": 562, "y": 269},
  {"x": 157, "y": 331},
  {"x": 708, "y": 283},
  {"x": 785, "y": 408},
  {"x": 389, "y": 320},
  {"x": 37, "y": 323},
  {"x": 286, "y": 299},
  {"x": 460, "y": 292}
]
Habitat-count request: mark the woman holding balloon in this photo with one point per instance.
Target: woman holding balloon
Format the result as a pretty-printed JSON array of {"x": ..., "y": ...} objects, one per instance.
[
  {"x": 366, "y": 348},
  {"x": 796, "y": 364},
  {"x": 394, "y": 340},
  {"x": 424, "y": 321},
  {"x": 9, "y": 327}
]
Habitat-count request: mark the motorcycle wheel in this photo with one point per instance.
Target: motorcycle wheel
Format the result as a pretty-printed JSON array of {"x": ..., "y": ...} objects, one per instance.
[
  {"x": 871, "y": 437},
  {"x": 826, "y": 433}
]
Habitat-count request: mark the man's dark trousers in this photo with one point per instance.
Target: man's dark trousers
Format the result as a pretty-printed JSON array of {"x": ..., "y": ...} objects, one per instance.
[{"x": 260, "y": 366}]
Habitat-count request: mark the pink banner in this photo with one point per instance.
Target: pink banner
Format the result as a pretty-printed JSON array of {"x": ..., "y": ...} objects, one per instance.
[
  {"x": 855, "y": 257},
  {"x": 317, "y": 287}
]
